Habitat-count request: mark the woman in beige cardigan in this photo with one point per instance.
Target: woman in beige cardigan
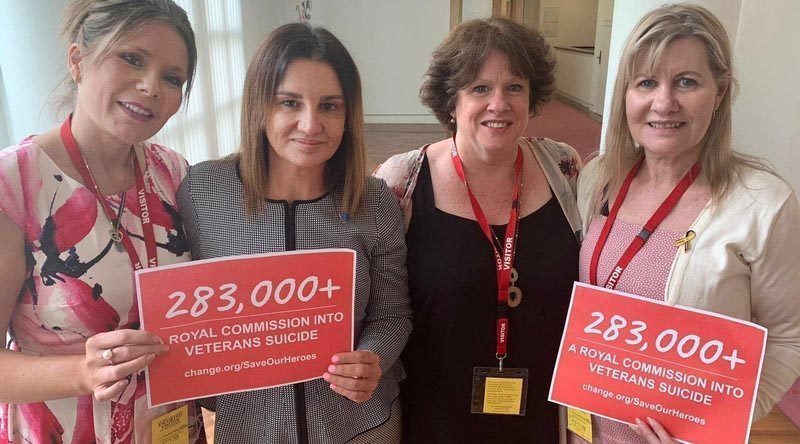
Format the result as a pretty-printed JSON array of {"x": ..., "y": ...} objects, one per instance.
[{"x": 734, "y": 222}]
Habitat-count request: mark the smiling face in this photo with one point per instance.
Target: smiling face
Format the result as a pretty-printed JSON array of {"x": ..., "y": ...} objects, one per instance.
[
  {"x": 669, "y": 109},
  {"x": 131, "y": 93},
  {"x": 492, "y": 112},
  {"x": 306, "y": 123}
]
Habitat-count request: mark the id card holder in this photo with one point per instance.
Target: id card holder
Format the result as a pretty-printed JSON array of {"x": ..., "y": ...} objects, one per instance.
[
  {"x": 173, "y": 424},
  {"x": 496, "y": 392},
  {"x": 580, "y": 423}
]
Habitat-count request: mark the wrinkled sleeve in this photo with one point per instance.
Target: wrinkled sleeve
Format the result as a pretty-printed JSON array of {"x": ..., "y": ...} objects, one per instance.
[
  {"x": 388, "y": 321},
  {"x": 400, "y": 174},
  {"x": 775, "y": 299}
]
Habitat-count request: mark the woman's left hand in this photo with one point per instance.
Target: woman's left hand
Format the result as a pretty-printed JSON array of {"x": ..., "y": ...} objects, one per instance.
[
  {"x": 354, "y": 375},
  {"x": 653, "y": 432}
]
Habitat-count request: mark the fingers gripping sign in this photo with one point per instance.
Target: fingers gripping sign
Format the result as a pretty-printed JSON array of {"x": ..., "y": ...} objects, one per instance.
[
  {"x": 652, "y": 431},
  {"x": 354, "y": 375},
  {"x": 111, "y": 357}
]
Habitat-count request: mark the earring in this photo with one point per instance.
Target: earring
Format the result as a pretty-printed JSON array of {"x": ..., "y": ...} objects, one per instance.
[
  {"x": 636, "y": 144},
  {"x": 452, "y": 119}
]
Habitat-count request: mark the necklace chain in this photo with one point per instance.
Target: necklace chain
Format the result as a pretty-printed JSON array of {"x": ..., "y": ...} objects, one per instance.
[{"x": 114, "y": 232}]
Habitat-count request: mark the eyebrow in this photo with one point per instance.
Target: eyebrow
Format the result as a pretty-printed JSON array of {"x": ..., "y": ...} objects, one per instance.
[
  {"x": 171, "y": 68},
  {"x": 300, "y": 96},
  {"x": 683, "y": 73}
]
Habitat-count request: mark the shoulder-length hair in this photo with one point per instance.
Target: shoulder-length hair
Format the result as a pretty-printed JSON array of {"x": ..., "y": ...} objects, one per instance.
[
  {"x": 650, "y": 37},
  {"x": 459, "y": 58},
  {"x": 346, "y": 170}
]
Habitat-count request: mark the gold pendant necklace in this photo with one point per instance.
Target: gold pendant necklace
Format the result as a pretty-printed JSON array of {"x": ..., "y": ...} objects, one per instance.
[{"x": 115, "y": 233}]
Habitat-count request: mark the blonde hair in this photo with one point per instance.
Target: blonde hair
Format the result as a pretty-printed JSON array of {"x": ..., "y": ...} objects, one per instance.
[
  {"x": 346, "y": 170},
  {"x": 658, "y": 29}
]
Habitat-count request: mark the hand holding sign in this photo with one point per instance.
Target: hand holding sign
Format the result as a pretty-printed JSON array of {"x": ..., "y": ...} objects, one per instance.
[
  {"x": 247, "y": 322},
  {"x": 655, "y": 435},
  {"x": 354, "y": 375},
  {"x": 112, "y": 356},
  {"x": 628, "y": 358}
]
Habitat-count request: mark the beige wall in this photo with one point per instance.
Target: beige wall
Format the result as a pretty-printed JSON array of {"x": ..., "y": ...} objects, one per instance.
[
  {"x": 766, "y": 115},
  {"x": 391, "y": 41},
  {"x": 576, "y": 21},
  {"x": 472, "y": 9}
]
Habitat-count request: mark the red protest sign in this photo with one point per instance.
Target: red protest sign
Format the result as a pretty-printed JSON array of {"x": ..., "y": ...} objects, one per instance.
[
  {"x": 625, "y": 357},
  {"x": 246, "y": 322}
]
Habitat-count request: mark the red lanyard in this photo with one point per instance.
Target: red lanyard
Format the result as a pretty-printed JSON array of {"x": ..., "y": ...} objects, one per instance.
[
  {"x": 638, "y": 242},
  {"x": 505, "y": 260},
  {"x": 142, "y": 197}
]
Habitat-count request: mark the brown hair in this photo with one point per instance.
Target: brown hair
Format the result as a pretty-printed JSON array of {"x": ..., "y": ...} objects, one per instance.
[
  {"x": 97, "y": 26},
  {"x": 346, "y": 170},
  {"x": 650, "y": 37},
  {"x": 459, "y": 57}
]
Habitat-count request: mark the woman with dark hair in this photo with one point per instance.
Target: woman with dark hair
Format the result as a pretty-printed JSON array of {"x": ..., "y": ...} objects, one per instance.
[
  {"x": 72, "y": 231},
  {"x": 708, "y": 227},
  {"x": 299, "y": 183},
  {"x": 491, "y": 216}
]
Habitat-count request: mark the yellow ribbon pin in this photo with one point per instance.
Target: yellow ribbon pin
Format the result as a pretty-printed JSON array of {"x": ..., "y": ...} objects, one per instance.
[{"x": 686, "y": 240}]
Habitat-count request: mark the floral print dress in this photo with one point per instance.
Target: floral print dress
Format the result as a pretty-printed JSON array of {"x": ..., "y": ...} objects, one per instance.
[{"x": 79, "y": 283}]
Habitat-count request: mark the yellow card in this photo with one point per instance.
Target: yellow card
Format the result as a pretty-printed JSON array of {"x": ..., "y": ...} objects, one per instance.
[
  {"x": 502, "y": 396},
  {"x": 172, "y": 428},
  {"x": 580, "y": 423}
]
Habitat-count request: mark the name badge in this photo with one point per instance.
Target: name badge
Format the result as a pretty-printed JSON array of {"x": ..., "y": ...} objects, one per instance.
[
  {"x": 580, "y": 423},
  {"x": 172, "y": 427},
  {"x": 496, "y": 392}
]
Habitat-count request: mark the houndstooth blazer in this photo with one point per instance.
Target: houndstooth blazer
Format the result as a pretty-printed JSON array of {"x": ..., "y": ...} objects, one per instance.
[{"x": 212, "y": 206}]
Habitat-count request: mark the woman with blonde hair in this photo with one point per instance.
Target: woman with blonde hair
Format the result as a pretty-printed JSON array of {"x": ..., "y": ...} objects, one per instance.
[
  {"x": 74, "y": 226},
  {"x": 677, "y": 214},
  {"x": 299, "y": 183}
]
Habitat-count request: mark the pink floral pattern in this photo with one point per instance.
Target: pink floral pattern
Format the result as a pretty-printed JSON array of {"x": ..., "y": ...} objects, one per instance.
[{"x": 80, "y": 284}]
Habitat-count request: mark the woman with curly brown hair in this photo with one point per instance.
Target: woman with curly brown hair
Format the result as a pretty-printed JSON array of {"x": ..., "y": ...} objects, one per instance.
[{"x": 490, "y": 217}]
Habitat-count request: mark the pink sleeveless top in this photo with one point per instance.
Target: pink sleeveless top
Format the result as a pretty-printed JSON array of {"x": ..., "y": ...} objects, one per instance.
[
  {"x": 645, "y": 276},
  {"x": 79, "y": 284}
]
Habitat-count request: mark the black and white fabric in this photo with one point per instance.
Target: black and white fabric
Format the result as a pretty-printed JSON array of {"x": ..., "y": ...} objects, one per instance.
[{"x": 211, "y": 202}]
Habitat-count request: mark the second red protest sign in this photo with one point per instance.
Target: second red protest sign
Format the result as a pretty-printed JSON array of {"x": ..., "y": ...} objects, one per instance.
[{"x": 626, "y": 357}]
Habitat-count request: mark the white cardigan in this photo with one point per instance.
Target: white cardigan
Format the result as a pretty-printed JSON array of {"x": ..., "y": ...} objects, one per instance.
[{"x": 744, "y": 263}]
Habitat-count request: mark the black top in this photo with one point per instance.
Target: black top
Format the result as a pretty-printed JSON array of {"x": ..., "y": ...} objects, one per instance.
[{"x": 453, "y": 287}]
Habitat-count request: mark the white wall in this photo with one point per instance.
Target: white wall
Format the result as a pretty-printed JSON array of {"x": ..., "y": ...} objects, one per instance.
[
  {"x": 766, "y": 115},
  {"x": 391, "y": 42},
  {"x": 32, "y": 61},
  {"x": 5, "y": 135},
  {"x": 260, "y": 17},
  {"x": 574, "y": 75},
  {"x": 576, "y": 21}
]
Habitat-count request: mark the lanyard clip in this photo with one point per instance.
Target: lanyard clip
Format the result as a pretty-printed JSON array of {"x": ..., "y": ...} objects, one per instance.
[{"x": 500, "y": 361}]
